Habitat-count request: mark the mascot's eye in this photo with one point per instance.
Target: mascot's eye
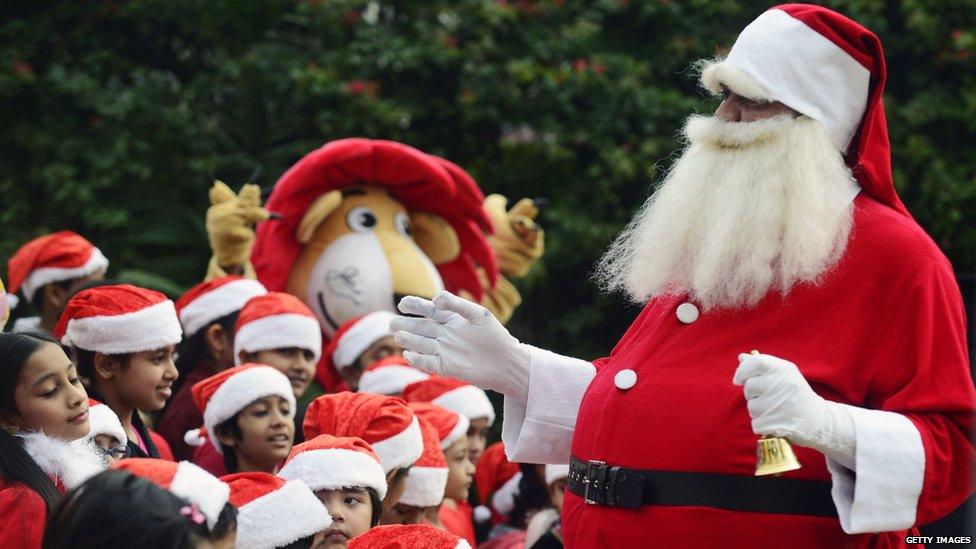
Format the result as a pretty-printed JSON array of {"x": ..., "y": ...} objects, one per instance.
[
  {"x": 403, "y": 224},
  {"x": 361, "y": 219}
]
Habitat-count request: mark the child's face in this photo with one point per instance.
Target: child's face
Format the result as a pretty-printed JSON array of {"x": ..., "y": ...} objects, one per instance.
[
  {"x": 49, "y": 397},
  {"x": 402, "y": 513},
  {"x": 396, "y": 482},
  {"x": 351, "y": 513},
  {"x": 298, "y": 364},
  {"x": 111, "y": 449},
  {"x": 267, "y": 432},
  {"x": 460, "y": 470},
  {"x": 146, "y": 382},
  {"x": 477, "y": 438},
  {"x": 556, "y": 491}
]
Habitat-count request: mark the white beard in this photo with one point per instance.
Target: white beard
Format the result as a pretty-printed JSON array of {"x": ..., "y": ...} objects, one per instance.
[{"x": 748, "y": 208}]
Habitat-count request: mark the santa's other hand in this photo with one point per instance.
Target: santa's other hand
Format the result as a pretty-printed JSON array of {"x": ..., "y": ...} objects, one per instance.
[{"x": 455, "y": 337}]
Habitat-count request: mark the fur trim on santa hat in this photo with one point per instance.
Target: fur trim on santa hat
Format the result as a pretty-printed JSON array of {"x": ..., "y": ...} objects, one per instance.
[
  {"x": 70, "y": 462},
  {"x": 119, "y": 319},
  {"x": 240, "y": 390},
  {"x": 334, "y": 468},
  {"x": 198, "y": 486},
  {"x": 468, "y": 400},
  {"x": 104, "y": 421},
  {"x": 401, "y": 449},
  {"x": 280, "y": 517},
  {"x": 215, "y": 299},
  {"x": 364, "y": 332},
  {"x": 716, "y": 72},
  {"x": 38, "y": 278},
  {"x": 555, "y": 472},
  {"x": 425, "y": 486},
  {"x": 389, "y": 376},
  {"x": 503, "y": 499}
]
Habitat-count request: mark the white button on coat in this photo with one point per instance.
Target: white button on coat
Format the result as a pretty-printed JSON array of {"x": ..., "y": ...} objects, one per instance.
[
  {"x": 625, "y": 379},
  {"x": 687, "y": 313}
]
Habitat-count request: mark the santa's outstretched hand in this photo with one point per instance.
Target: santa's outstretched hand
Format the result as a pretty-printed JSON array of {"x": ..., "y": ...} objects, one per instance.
[
  {"x": 781, "y": 403},
  {"x": 452, "y": 336}
]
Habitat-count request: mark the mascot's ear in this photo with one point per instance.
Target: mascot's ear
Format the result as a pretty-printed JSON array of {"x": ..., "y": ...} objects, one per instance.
[
  {"x": 435, "y": 237},
  {"x": 316, "y": 214}
]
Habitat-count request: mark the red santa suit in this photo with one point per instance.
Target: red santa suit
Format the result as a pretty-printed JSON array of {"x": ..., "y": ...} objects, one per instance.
[{"x": 883, "y": 331}]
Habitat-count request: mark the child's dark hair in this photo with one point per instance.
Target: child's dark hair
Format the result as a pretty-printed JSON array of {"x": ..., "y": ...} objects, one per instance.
[
  {"x": 533, "y": 494},
  {"x": 118, "y": 509},
  {"x": 16, "y": 465},
  {"x": 85, "y": 362},
  {"x": 37, "y": 301},
  {"x": 225, "y": 428},
  {"x": 193, "y": 350},
  {"x": 377, "y": 505},
  {"x": 226, "y": 522}
]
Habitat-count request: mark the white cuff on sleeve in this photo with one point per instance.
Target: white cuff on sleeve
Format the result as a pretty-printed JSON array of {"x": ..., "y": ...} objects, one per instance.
[
  {"x": 541, "y": 430},
  {"x": 882, "y": 493}
]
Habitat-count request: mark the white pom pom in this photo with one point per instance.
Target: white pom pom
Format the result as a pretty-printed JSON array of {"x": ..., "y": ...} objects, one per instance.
[
  {"x": 12, "y": 301},
  {"x": 195, "y": 437},
  {"x": 482, "y": 514}
]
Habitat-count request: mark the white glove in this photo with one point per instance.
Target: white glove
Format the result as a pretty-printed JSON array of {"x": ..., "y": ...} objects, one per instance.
[
  {"x": 781, "y": 403},
  {"x": 462, "y": 339}
]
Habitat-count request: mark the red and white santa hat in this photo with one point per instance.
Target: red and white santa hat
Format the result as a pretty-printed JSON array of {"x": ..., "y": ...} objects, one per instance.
[
  {"x": 330, "y": 463},
  {"x": 451, "y": 426},
  {"x": 427, "y": 479},
  {"x": 221, "y": 396},
  {"x": 356, "y": 335},
  {"x": 389, "y": 376},
  {"x": 272, "y": 512},
  {"x": 827, "y": 67},
  {"x": 63, "y": 255},
  {"x": 453, "y": 394},
  {"x": 184, "y": 479},
  {"x": 118, "y": 319},
  {"x": 386, "y": 423},
  {"x": 408, "y": 536},
  {"x": 274, "y": 321},
  {"x": 208, "y": 301},
  {"x": 493, "y": 475},
  {"x": 556, "y": 472},
  {"x": 104, "y": 421}
]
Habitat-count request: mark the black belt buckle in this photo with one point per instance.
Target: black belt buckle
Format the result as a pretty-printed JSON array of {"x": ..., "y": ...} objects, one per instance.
[{"x": 595, "y": 479}]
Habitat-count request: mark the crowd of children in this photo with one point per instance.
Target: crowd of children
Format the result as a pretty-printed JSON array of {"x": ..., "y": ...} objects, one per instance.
[{"x": 128, "y": 420}]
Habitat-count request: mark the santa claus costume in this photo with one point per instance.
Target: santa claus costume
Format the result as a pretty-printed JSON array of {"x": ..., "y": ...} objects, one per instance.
[{"x": 862, "y": 343}]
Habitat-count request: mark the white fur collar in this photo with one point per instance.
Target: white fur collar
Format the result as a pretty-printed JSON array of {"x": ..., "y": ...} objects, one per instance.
[{"x": 70, "y": 462}]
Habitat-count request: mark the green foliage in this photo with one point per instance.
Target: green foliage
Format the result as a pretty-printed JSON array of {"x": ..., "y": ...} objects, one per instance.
[{"x": 117, "y": 115}]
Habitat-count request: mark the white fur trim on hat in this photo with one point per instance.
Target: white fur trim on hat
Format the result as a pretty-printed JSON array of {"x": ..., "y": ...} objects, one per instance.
[
  {"x": 70, "y": 462},
  {"x": 198, "y": 486},
  {"x": 402, "y": 449},
  {"x": 365, "y": 332},
  {"x": 242, "y": 389},
  {"x": 468, "y": 400},
  {"x": 791, "y": 63},
  {"x": 217, "y": 303},
  {"x": 335, "y": 468},
  {"x": 45, "y": 275},
  {"x": 284, "y": 516},
  {"x": 425, "y": 486},
  {"x": 148, "y": 329},
  {"x": 277, "y": 332},
  {"x": 460, "y": 430},
  {"x": 389, "y": 380},
  {"x": 103, "y": 421},
  {"x": 503, "y": 500},
  {"x": 462, "y": 544},
  {"x": 555, "y": 472}
]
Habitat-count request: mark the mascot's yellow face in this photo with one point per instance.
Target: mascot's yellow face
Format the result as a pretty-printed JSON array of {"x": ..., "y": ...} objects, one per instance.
[{"x": 364, "y": 251}]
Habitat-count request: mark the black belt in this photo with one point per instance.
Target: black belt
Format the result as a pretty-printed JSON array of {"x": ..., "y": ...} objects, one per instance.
[{"x": 601, "y": 484}]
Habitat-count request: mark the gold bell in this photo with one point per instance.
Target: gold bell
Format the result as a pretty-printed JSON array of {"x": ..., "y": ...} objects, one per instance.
[{"x": 774, "y": 455}]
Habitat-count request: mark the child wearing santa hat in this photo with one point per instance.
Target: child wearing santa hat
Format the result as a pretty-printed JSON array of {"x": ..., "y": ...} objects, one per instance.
[
  {"x": 106, "y": 432},
  {"x": 123, "y": 338},
  {"x": 119, "y": 509},
  {"x": 40, "y": 430},
  {"x": 408, "y": 536},
  {"x": 386, "y": 423},
  {"x": 273, "y": 512},
  {"x": 453, "y": 513},
  {"x": 48, "y": 270},
  {"x": 359, "y": 342},
  {"x": 495, "y": 475},
  {"x": 207, "y": 312},
  {"x": 248, "y": 420},
  {"x": 209, "y": 495},
  {"x": 426, "y": 481},
  {"x": 346, "y": 475},
  {"x": 389, "y": 376},
  {"x": 545, "y": 530},
  {"x": 461, "y": 397}
]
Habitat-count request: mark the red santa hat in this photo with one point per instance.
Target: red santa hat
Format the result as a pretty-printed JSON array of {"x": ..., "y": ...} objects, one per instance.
[
  {"x": 420, "y": 181},
  {"x": 276, "y": 320},
  {"x": 827, "y": 67},
  {"x": 221, "y": 396},
  {"x": 493, "y": 474},
  {"x": 356, "y": 335},
  {"x": 408, "y": 536},
  {"x": 184, "y": 479},
  {"x": 118, "y": 319},
  {"x": 272, "y": 512},
  {"x": 386, "y": 423},
  {"x": 217, "y": 298},
  {"x": 330, "y": 463},
  {"x": 63, "y": 255},
  {"x": 451, "y": 426},
  {"x": 453, "y": 394},
  {"x": 427, "y": 479},
  {"x": 390, "y": 376},
  {"x": 104, "y": 421}
]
